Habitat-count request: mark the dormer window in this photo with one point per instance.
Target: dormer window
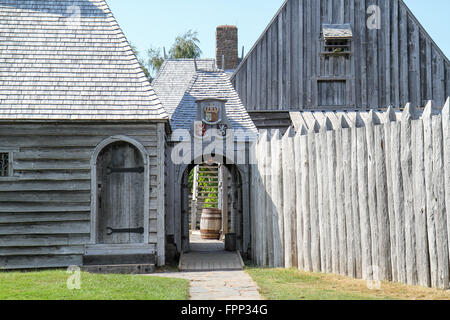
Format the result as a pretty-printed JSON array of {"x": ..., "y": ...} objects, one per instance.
[{"x": 336, "y": 39}]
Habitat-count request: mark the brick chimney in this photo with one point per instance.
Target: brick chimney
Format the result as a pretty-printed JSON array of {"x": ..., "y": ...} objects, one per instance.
[{"x": 227, "y": 47}]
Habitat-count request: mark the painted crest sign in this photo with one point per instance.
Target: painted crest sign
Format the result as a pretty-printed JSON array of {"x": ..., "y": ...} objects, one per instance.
[
  {"x": 211, "y": 114},
  {"x": 200, "y": 129}
]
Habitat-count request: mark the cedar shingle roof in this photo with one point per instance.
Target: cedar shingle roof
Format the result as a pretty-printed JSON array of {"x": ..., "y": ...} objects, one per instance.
[
  {"x": 174, "y": 77},
  {"x": 54, "y": 65},
  {"x": 179, "y": 86}
]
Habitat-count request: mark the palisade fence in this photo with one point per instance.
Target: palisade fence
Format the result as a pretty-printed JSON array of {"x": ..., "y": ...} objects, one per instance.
[{"x": 366, "y": 199}]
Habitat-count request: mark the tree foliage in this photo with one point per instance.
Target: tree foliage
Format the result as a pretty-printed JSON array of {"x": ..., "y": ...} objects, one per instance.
[
  {"x": 154, "y": 60},
  {"x": 186, "y": 46}
]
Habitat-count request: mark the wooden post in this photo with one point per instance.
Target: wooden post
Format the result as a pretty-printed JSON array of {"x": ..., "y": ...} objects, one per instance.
[
  {"x": 305, "y": 202},
  {"x": 384, "y": 245},
  {"x": 268, "y": 199},
  {"x": 224, "y": 199},
  {"x": 371, "y": 122},
  {"x": 313, "y": 198},
  {"x": 407, "y": 175},
  {"x": 420, "y": 214},
  {"x": 321, "y": 183},
  {"x": 331, "y": 153},
  {"x": 428, "y": 160},
  {"x": 389, "y": 118},
  {"x": 340, "y": 198},
  {"x": 366, "y": 242},
  {"x": 269, "y": 203},
  {"x": 277, "y": 198},
  {"x": 261, "y": 201},
  {"x": 397, "y": 192},
  {"x": 439, "y": 204},
  {"x": 358, "y": 123},
  {"x": 254, "y": 206},
  {"x": 446, "y": 146},
  {"x": 298, "y": 187},
  {"x": 289, "y": 198},
  {"x": 348, "y": 207}
]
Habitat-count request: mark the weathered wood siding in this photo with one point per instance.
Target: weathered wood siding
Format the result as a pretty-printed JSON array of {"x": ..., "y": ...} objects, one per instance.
[
  {"x": 394, "y": 65},
  {"x": 370, "y": 196},
  {"x": 45, "y": 207}
]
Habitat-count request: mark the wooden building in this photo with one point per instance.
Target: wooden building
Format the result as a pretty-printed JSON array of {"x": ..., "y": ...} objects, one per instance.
[
  {"x": 82, "y": 140},
  {"x": 340, "y": 55},
  {"x": 203, "y": 108}
]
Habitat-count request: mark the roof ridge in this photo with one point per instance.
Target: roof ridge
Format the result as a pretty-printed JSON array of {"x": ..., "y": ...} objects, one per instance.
[
  {"x": 159, "y": 73},
  {"x": 189, "y": 86},
  {"x": 189, "y": 59}
]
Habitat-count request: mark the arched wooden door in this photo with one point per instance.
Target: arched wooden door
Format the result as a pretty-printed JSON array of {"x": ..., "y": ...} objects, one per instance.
[{"x": 120, "y": 192}]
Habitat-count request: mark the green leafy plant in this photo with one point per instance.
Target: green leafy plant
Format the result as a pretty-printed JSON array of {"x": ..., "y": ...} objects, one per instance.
[{"x": 186, "y": 46}]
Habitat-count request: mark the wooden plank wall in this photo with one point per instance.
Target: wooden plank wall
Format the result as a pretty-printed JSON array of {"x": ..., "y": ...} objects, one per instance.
[
  {"x": 367, "y": 199},
  {"x": 394, "y": 65},
  {"x": 45, "y": 207}
]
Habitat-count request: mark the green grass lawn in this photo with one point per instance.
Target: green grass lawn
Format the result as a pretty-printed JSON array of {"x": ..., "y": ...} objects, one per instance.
[
  {"x": 52, "y": 285},
  {"x": 292, "y": 284}
]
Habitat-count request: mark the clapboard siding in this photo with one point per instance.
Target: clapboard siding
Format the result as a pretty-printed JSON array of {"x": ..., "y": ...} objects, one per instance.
[
  {"x": 45, "y": 208},
  {"x": 394, "y": 65},
  {"x": 40, "y": 261}
]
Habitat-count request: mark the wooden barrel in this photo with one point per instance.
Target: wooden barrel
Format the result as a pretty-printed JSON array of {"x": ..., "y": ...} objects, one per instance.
[{"x": 210, "y": 224}]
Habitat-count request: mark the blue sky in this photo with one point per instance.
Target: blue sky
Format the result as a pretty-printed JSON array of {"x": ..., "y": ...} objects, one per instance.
[{"x": 156, "y": 23}]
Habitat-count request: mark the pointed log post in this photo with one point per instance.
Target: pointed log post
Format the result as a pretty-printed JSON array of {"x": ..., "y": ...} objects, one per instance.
[
  {"x": 340, "y": 198},
  {"x": 357, "y": 123},
  {"x": 304, "y": 156},
  {"x": 331, "y": 155},
  {"x": 363, "y": 201},
  {"x": 262, "y": 197},
  {"x": 420, "y": 214},
  {"x": 446, "y": 146},
  {"x": 319, "y": 180},
  {"x": 397, "y": 195},
  {"x": 260, "y": 235},
  {"x": 289, "y": 198},
  {"x": 348, "y": 205},
  {"x": 252, "y": 157},
  {"x": 298, "y": 186},
  {"x": 372, "y": 121},
  {"x": 268, "y": 198},
  {"x": 277, "y": 199},
  {"x": 390, "y": 117},
  {"x": 313, "y": 198},
  {"x": 324, "y": 207},
  {"x": 428, "y": 160},
  {"x": 407, "y": 175},
  {"x": 439, "y": 203}
]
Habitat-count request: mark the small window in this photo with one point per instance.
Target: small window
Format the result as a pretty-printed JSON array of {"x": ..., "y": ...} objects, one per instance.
[
  {"x": 5, "y": 169},
  {"x": 337, "y": 39}
]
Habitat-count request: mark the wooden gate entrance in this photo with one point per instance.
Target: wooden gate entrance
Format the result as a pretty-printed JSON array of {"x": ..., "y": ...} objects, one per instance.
[
  {"x": 120, "y": 195},
  {"x": 224, "y": 190}
]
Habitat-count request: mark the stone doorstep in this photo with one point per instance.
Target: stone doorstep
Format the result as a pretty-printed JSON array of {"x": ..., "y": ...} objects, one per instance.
[{"x": 120, "y": 269}]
